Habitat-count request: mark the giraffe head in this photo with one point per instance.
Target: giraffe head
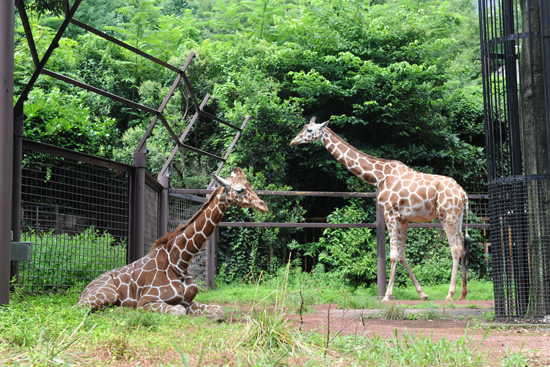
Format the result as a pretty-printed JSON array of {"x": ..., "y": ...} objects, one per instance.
[
  {"x": 239, "y": 192},
  {"x": 309, "y": 133}
]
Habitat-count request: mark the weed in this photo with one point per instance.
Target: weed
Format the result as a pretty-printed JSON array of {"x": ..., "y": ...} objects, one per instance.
[{"x": 392, "y": 311}]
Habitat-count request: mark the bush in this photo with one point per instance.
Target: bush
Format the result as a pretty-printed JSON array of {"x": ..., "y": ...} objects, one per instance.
[{"x": 59, "y": 261}]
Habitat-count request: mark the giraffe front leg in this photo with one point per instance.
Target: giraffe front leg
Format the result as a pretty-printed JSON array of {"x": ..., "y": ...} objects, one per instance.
[
  {"x": 457, "y": 251},
  {"x": 161, "y": 306},
  {"x": 398, "y": 234},
  {"x": 198, "y": 309}
]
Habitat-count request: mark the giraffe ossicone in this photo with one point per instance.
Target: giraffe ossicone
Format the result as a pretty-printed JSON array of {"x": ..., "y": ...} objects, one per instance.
[
  {"x": 160, "y": 281},
  {"x": 405, "y": 195}
]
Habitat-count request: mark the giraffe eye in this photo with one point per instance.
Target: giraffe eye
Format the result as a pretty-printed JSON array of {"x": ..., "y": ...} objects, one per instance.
[
  {"x": 309, "y": 130},
  {"x": 240, "y": 190}
]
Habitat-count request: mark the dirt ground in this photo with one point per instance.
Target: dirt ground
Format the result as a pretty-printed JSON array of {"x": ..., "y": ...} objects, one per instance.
[{"x": 501, "y": 339}]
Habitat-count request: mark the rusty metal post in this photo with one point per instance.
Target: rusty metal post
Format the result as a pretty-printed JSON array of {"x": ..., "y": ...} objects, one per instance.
[
  {"x": 137, "y": 250},
  {"x": 380, "y": 249},
  {"x": 6, "y": 143},
  {"x": 164, "y": 206}
]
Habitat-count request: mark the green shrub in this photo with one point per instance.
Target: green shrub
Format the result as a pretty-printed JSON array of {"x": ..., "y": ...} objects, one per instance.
[{"x": 59, "y": 261}]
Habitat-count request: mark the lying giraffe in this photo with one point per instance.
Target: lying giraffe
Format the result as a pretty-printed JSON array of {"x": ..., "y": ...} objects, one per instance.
[
  {"x": 405, "y": 196},
  {"x": 160, "y": 281}
]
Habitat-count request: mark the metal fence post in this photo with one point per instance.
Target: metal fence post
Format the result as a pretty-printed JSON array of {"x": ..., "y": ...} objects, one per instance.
[
  {"x": 137, "y": 249},
  {"x": 6, "y": 143},
  {"x": 16, "y": 187},
  {"x": 211, "y": 249},
  {"x": 380, "y": 249},
  {"x": 164, "y": 205}
]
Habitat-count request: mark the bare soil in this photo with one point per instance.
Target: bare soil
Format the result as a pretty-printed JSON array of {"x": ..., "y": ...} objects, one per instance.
[{"x": 502, "y": 339}]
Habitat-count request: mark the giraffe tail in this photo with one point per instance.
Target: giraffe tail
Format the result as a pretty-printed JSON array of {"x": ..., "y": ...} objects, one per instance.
[{"x": 467, "y": 239}]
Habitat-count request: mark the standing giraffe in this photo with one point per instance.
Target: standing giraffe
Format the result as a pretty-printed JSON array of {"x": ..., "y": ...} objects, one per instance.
[
  {"x": 160, "y": 281},
  {"x": 405, "y": 196}
]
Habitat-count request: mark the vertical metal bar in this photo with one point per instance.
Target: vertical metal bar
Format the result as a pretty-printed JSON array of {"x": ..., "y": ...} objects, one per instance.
[
  {"x": 140, "y": 161},
  {"x": 512, "y": 90},
  {"x": 6, "y": 142},
  {"x": 16, "y": 187},
  {"x": 211, "y": 249},
  {"x": 164, "y": 205},
  {"x": 380, "y": 249}
]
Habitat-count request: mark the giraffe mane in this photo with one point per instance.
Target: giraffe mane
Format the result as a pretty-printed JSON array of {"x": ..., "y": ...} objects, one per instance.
[
  {"x": 182, "y": 227},
  {"x": 352, "y": 148}
]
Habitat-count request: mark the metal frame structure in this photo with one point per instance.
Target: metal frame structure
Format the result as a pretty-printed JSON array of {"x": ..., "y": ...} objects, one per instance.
[
  {"x": 13, "y": 135},
  {"x": 515, "y": 55}
]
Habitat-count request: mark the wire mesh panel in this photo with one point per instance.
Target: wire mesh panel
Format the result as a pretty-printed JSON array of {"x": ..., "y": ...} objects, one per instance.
[
  {"x": 151, "y": 233},
  {"x": 76, "y": 216},
  {"x": 515, "y": 51},
  {"x": 182, "y": 208}
]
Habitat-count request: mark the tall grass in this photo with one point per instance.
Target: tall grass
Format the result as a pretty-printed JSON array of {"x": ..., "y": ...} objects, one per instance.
[{"x": 49, "y": 330}]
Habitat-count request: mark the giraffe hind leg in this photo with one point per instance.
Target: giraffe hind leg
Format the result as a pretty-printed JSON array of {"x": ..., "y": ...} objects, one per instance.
[
  {"x": 465, "y": 259},
  {"x": 457, "y": 251},
  {"x": 99, "y": 294}
]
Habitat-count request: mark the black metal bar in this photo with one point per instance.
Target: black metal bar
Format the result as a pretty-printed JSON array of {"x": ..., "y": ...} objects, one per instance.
[
  {"x": 210, "y": 116},
  {"x": 169, "y": 128},
  {"x": 163, "y": 105},
  {"x": 77, "y": 156},
  {"x": 287, "y": 193},
  {"x": 164, "y": 205},
  {"x": 199, "y": 199},
  {"x": 140, "y": 161},
  {"x": 182, "y": 138},
  {"x": 16, "y": 188},
  {"x": 125, "y": 45},
  {"x": 6, "y": 143},
  {"x": 229, "y": 149},
  {"x": 196, "y": 150},
  {"x": 47, "y": 54},
  {"x": 98, "y": 91},
  {"x": 298, "y": 225},
  {"x": 193, "y": 98},
  {"x": 28, "y": 32},
  {"x": 380, "y": 249}
]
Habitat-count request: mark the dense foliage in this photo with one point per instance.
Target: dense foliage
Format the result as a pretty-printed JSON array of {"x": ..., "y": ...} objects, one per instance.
[{"x": 397, "y": 79}]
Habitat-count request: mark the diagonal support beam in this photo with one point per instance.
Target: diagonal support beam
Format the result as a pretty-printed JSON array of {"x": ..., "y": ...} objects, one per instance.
[
  {"x": 182, "y": 138},
  {"x": 49, "y": 51},
  {"x": 28, "y": 32},
  {"x": 229, "y": 150},
  {"x": 163, "y": 105}
]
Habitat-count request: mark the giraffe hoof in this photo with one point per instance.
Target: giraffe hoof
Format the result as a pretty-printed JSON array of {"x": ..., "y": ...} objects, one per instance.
[
  {"x": 424, "y": 297},
  {"x": 450, "y": 299},
  {"x": 386, "y": 299}
]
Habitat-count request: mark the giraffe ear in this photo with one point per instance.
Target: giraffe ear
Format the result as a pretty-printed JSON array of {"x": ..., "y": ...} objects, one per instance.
[
  {"x": 221, "y": 182},
  {"x": 323, "y": 124},
  {"x": 312, "y": 119}
]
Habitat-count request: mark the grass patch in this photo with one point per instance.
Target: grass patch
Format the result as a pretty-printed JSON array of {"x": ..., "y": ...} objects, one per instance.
[
  {"x": 48, "y": 330},
  {"x": 478, "y": 290}
]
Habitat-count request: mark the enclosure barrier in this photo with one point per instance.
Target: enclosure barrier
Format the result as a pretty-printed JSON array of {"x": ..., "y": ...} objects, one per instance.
[{"x": 515, "y": 55}]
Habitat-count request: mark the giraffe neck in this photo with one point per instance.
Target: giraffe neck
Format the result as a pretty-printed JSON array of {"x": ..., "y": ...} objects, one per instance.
[
  {"x": 198, "y": 230},
  {"x": 362, "y": 165}
]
